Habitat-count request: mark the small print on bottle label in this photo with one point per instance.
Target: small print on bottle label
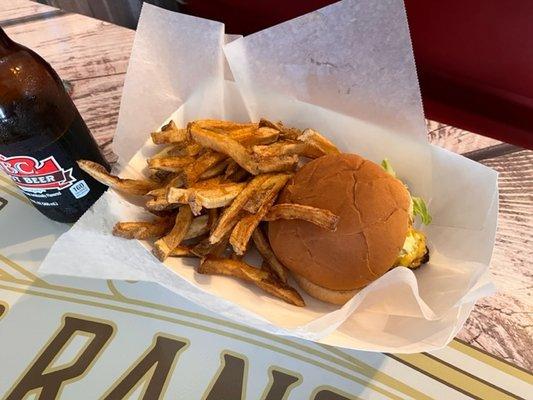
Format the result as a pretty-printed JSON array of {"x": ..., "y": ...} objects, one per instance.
[
  {"x": 37, "y": 176},
  {"x": 79, "y": 189}
]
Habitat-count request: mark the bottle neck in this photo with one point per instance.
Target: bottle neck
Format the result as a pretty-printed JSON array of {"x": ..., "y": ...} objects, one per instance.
[{"x": 5, "y": 43}]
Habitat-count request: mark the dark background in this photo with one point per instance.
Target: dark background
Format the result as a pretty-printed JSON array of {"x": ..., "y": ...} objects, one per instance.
[{"x": 474, "y": 57}]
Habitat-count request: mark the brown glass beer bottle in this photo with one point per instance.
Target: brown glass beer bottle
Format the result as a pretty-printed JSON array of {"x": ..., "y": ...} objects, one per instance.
[{"x": 42, "y": 135}]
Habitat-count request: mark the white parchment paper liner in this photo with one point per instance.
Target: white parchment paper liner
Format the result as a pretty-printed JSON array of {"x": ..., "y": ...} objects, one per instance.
[{"x": 346, "y": 70}]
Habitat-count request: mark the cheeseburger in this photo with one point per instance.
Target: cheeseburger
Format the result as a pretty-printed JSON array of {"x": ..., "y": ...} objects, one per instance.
[{"x": 375, "y": 231}]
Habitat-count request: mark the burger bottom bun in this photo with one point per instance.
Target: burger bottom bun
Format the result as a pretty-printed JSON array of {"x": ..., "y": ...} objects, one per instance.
[{"x": 338, "y": 297}]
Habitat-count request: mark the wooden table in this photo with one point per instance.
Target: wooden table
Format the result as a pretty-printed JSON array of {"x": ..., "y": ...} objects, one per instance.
[{"x": 92, "y": 56}]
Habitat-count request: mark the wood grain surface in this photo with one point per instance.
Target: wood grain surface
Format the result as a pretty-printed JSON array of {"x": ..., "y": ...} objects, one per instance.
[
  {"x": 456, "y": 139},
  {"x": 81, "y": 48},
  {"x": 93, "y": 55},
  {"x": 16, "y": 9},
  {"x": 98, "y": 100},
  {"x": 503, "y": 324}
]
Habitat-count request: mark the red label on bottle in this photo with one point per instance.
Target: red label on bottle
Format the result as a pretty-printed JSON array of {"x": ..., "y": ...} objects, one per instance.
[{"x": 36, "y": 176}]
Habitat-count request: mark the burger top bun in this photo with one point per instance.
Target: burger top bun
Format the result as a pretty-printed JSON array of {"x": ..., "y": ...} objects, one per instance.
[{"x": 374, "y": 220}]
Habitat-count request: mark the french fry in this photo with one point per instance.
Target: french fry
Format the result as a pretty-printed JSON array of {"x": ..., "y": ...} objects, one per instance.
[
  {"x": 287, "y": 147},
  {"x": 230, "y": 215},
  {"x": 177, "y": 181},
  {"x": 231, "y": 168},
  {"x": 128, "y": 186},
  {"x": 191, "y": 149},
  {"x": 234, "y": 172},
  {"x": 285, "y": 163},
  {"x": 318, "y": 142},
  {"x": 199, "y": 226},
  {"x": 164, "y": 245},
  {"x": 255, "y": 136},
  {"x": 243, "y": 230},
  {"x": 143, "y": 230},
  {"x": 163, "y": 213},
  {"x": 171, "y": 164},
  {"x": 204, "y": 247},
  {"x": 170, "y": 136},
  {"x": 240, "y": 176},
  {"x": 267, "y": 267},
  {"x": 219, "y": 196},
  {"x": 204, "y": 179},
  {"x": 178, "y": 195},
  {"x": 210, "y": 183},
  {"x": 253, "y": 204},
  {"x": 159, "y": 192},
  {"x": 245, "y": 134},
  {"x": 318, "y": 216},
  {"x": 282, "y": 147},
  {"x": 270, "y": 124},
  {"x": 187, "y": 148},
  {"x": 286, "y": 133},
  {"x": 222, "y": 126},
  {"x": 208, "y": 197},
  {"x": 170, "y": 151},
  {"x": 240, "y": 135},
  {"x": 222, "y": 144},
  {"x": 160, "y": 204},
  {"x": 226, "y": 145},
  {"x": 213, "y": 217},
  {"x": 194, "y": 172},
  {"x": 161, "y": 176},
  {"x": 220, "y": 248},
  {"x": 214, "y": 171},
  {"x": 263, "y": 279},
  {"x": 204, "y": 183},
  {"x": 182, "y": 149},
  {"x": 263, "y": 247},
  {"x": 169, "y": 126},
  {"x": 181, "y": 251}
]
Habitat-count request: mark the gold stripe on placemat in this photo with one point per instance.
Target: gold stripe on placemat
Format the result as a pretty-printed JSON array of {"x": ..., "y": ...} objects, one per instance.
[
  {"x": 5, "y": 276},
  {"x": 491, "y": 360},
  {"x": 360, "y": 367},
  {"x": 453, "y": 377},
  {"x": 22, "y": 271},
  {"x": 221, "y": 332},
  {"x": 11, "y": 191},
  {"x": 391, "y": 382},
  {"x": 7, "y": 180}
]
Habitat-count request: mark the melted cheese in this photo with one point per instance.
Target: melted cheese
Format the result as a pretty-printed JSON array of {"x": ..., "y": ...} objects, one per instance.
[{"x": 413, "y": 250}]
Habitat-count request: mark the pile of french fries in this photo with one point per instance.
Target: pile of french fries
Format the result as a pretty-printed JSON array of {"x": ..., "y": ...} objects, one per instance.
[{"x": 211, "y": 186}]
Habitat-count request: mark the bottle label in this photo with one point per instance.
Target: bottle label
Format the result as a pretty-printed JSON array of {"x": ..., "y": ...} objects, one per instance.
[
  {"x": 79, "y": 189},
  {"x": 43, "y": 179}
]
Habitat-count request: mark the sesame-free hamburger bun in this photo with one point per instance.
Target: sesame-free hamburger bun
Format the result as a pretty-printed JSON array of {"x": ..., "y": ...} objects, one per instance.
[{"x": 373, "y": 207}]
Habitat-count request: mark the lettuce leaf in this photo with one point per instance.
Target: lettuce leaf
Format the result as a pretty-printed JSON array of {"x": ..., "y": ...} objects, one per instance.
[
  {"x": 420, "y": 209},
  {"x": 419, "y": 205},
  {"x": 388, "y": 167}
]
